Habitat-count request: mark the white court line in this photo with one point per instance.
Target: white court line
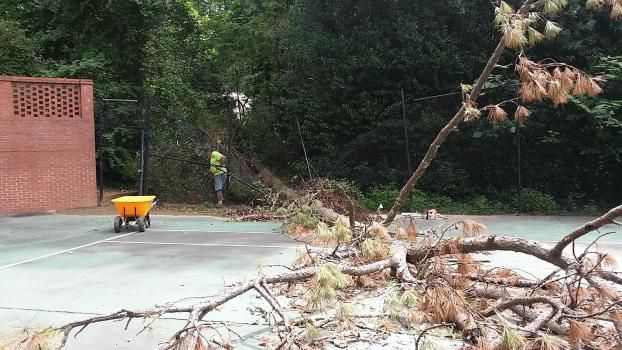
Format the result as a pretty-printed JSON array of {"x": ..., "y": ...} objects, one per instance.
[
  {"x": 208, "y": 231},
  {"x": 63, "y": 251},
  {"x": 585, "y": 242},
  {"x": 205, "y": 244}
]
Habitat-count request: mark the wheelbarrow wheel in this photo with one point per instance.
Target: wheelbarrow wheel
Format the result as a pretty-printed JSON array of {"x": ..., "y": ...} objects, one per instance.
[
  {"x": 141, "y": 224},
  {"x": 117, "y": 224},
  {"x": 148, "y": 221}
]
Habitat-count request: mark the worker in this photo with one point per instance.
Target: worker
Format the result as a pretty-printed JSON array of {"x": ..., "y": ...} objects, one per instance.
[{"x": 217, "y": 168}]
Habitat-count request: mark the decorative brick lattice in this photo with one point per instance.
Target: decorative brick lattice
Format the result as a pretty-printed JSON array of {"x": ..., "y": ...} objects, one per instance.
[{"x": 46, "y": 100}]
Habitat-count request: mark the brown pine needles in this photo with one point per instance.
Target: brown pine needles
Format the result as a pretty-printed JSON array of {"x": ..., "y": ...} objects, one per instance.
[
  {"x": 522, "y": 114},
  {"x": 578, "y": 331},
  {"x": 616, "y": 7},
  {"x": 554, "y": 81},
  {"x": 496, "y": 114},
  {"x": 472, "y": 228}
]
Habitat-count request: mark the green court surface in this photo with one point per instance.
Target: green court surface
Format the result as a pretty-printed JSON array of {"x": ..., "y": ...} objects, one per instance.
[
  {"x": 542, "y": 228},
  {"x": 545, "y": 229},
  {"x": 59, "y": 268}
]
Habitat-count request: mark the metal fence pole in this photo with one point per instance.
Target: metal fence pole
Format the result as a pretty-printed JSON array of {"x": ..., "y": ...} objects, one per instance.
[
  {"x": 229, "y": 147},
  {"x": 141, "y": 178},
  {"x": 146, "y": 135},
  {"x": 518, "y": 156},
  {"x": 304, "y": 149},
  {"x": 410, "y": 170},
  {"x": 100, "y": 141}
]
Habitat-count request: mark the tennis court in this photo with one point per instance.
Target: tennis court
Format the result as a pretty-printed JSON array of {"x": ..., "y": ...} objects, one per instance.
[{"x": 59, "y": 268}]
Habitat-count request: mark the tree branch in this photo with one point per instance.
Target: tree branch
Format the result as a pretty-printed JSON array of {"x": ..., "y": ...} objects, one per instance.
[
  {"x": 526, "y": 314},
  {"x": 595, "y": 314},
  {"x": 198, "y": 311},
  {"x": 453, "y": 123},
  {"x": 520, "y": 301},
  {"x": 488, "y": 243},
  {"x": 399, "y": 253},
  {"x": 273, "y": 303},
  {"x": 423, "y": 332},
  {"x": 585, "y": 229}
]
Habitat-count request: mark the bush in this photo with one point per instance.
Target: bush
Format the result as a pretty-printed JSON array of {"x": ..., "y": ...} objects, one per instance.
[
  {"x": 239, "y": 193},
  {"x": 537, "y": 202},
  {"x": 420, "y": 201},
  {"x": 243, "y": 194},
  {"x": 302, "y": 217},
  {"x": 281, "y": 211},
  {"x": 533, "y": 202},
  {"x": 480, "y": 205},
  {"x": 447, "y": 178},
  {"x": 577, "y": 203},
  {"x": 591, "y": 209},
  {"x": 385, "y": 195},
  {"x": 347, "y": 187}
]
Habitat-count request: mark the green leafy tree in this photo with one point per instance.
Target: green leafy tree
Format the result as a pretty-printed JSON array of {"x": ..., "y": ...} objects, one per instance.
[{"x": 16, "y": 49}]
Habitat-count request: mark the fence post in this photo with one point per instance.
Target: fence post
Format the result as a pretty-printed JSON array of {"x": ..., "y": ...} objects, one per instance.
[
  {"x": 410, "y": 170},
  {"x": 230, "y": 145},
  {"x": 100, "y": 141},
  {"x": 520, "y": 185},
  {"x": 141, "y": 178},
  {"x": 145, "y": 169},
  {"x": 304, "y": 149}
]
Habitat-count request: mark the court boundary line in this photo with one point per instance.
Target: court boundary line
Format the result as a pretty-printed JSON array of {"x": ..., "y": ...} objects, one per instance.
[
  {"x": 26, "y": 261},
  {"x": 207, "y": 231},
  {"x": 66, "y": 312},
  {"x": 232, "y": 245},
  {"x": 586, "y": 242}
]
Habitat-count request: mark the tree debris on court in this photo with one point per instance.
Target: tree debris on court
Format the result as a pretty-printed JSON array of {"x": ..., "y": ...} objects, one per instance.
[
  {"x": 367, "y": 287},
  {"x": 430, "y": 285}
]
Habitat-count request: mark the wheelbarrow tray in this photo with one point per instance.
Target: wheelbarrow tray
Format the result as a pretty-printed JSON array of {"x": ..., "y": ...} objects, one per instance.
[
  {"x": 133, "y": 210},
  {"x": 133, "y": 206}
]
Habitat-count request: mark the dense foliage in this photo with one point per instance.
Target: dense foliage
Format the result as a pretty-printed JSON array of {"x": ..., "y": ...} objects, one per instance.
[{"x": 337, "y": 68}]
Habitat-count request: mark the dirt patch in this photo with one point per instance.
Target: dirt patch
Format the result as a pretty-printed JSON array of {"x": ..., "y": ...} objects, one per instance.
[
  {"x": 335, "y": 199},
  {"x": 162, "y": 208}
]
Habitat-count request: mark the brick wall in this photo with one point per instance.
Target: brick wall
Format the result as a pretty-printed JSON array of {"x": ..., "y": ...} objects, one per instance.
[{"x": 47, "y": 144}]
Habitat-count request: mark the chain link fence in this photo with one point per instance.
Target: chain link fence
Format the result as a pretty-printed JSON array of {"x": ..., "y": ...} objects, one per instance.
[
  {"x": 487, "y": 167},
  {"x": 159, "y": 150},
  {"x": 503, "y": 167}
]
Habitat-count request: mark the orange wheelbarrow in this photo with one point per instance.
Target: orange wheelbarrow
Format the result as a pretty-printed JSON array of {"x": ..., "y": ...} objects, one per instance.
[{"x": 133, "y": 211}]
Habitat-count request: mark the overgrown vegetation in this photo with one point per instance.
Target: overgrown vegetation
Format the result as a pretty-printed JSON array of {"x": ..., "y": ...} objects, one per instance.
[
  {"x": 302, "y": 218},
  {"x": 337, "y": 69},
  {"x": 432, "y": 282},
  {"x": 532, "y": 201}
]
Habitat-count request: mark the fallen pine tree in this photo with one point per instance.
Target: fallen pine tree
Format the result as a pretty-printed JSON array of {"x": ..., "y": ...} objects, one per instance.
[
  {"x": 429, "y": 279},
  {"x": 436, "y": 282}
]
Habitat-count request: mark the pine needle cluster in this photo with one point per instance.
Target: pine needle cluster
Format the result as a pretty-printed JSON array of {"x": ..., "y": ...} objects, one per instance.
[
  {"x": 324, "y": 285},
  {"x": 616, "y": 7},
  {"x": 339, "y": 233},
  {"x": 376, "y": 247},
  {"x": 554, "y": 81},
  {"x": 528, "y": 29}
]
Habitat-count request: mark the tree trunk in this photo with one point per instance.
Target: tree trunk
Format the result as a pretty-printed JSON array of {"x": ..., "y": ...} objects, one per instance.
[
  {"x": 453, "y": 123},
  {"x": 443, "y": 134}
]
